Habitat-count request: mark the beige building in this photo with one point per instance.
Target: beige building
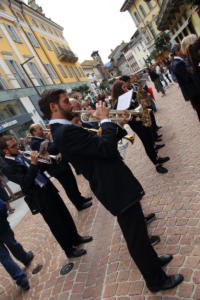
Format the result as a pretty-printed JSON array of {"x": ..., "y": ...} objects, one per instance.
[{"x": 144, "y": 15}]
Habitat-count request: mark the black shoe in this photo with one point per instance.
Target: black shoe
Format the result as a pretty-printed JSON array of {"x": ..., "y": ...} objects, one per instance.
[
  {"x": 76, "y": 252},
  {"x": 165, "y": 259},
  {"x": 154, "y": 239},
  {"x": 163, "y": 160},
  {"x": 25, "y": 286},
  {"x": 171, "y": 282},
  {"x": 159, "y": 136},
  {"x": 83, "y": 240},
  {"x": 84, "y": 206},
  {"x": 86, "y": 199},
  {"x": 158, "y": 140},
  {"x": 158, "y": 127},
  {"x": 30, "y": 256},
  {"x": 149, "y": 218},
  {"x": 161, "y": 170},
  {"x": 157, "y": 147}
]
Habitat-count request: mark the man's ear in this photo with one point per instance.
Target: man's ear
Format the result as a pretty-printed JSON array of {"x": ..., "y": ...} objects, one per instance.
[{"x": 53, "y": 107}]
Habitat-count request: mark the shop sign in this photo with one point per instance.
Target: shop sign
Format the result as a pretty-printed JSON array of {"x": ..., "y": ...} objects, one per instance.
[{"x": 8, "y": 124}]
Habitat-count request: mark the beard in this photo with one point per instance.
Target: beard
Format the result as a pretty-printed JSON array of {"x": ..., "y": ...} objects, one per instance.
[{"x": 65, "y": 114}]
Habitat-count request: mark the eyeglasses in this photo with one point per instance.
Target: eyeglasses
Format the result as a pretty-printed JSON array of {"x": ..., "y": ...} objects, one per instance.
[{"x": 13, "y": 146}]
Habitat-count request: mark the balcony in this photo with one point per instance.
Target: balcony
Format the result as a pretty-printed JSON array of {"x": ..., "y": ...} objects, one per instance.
[{"x": 66, "y": 55}]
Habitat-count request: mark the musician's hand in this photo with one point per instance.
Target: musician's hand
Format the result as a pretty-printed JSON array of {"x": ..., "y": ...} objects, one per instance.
[
  {"x": 34, "y": 157},
  {"x": 101, "y": 112},
  {"x": 138, "y": 119}
]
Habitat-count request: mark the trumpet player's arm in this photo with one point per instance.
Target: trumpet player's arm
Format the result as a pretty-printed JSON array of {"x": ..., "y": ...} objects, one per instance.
[
  {"x": 27, "y": 180},
  {"x": 78, "y": 141}
]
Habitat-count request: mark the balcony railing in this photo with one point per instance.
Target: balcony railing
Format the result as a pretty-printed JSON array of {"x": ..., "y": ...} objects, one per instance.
[{"x": 67, "y": 55}]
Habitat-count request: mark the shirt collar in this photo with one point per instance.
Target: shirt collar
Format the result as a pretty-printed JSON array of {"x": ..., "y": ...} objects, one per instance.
[
  {"x": 178, "y": 57},
  {"x": 10, "y": 157},
  {"x": 60, "y": 121}
]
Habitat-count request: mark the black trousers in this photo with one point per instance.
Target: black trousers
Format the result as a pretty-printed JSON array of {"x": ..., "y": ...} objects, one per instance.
[
  {"x": 58, "y": 218},
  {"x": 67, "y": 179},
  {"x": 154, "y": 125},
  {"x": 145, "y": 135},
  {"x": 135, "y": 233},
  {"x": 195, "y": 101}
]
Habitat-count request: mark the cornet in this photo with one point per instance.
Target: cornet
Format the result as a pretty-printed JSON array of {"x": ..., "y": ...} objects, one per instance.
[
  {"x": 130, "y": 138},
  {"x": 47, "y": 159},
  {"x": 86, "y": 115}
]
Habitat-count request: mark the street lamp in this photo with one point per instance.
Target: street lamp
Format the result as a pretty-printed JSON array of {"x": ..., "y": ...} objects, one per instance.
[{"x": 33, "y": 84}]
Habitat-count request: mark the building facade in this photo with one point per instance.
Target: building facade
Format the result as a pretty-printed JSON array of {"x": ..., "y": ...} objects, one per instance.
[
  {"x": 144, "y": 15},
  {"x": 137, "y": 47},
  {"x": 181, "y": 19},
  {"x": 119, "y": 64},
  {"x": 34, "y": 56}
]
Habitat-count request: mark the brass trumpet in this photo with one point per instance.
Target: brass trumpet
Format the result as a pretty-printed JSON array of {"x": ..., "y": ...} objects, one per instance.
[
  {"x": 44, "y": 159},
  {"x": 130, "y": 138},
  {"x": 86, "y": 115}
]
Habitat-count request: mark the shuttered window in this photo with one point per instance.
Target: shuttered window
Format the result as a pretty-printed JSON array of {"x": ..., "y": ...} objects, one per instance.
[
  {"x": 51, "y": 71},
  {"x": 33, "y": 40},
  {"x": 46, "y": 44},
  {"x": 62, "y": 71},
  {"x": 13, "y": 33},
  {"x": 3, "y": 84},
  {"x": 36, "y": 72},
  {"x": 18, "y": 73}
]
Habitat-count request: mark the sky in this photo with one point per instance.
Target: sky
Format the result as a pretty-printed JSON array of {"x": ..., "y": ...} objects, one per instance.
[{"x": 91, "y": 24}]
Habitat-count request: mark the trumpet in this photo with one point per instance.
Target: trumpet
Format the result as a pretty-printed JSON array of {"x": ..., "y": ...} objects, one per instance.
[
  {"x": 44, "y": 159},
  {"x": 86, "y": 115},
  {"x": 130, "y": 138}
]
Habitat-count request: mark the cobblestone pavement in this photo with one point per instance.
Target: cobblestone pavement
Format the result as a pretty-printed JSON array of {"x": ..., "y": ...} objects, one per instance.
[{"x": 107, "y": 271}]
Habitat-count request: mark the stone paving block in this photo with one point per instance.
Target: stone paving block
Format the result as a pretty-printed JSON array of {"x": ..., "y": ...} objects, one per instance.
[{"x": 107, "y": 271}]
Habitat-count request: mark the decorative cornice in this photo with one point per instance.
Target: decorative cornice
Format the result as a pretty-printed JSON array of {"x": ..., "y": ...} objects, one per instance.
[{"x": 127, "y": 4}]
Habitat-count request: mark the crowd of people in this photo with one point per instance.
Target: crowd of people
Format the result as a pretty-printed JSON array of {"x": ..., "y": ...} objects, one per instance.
[{"x": 92, "y": 149}]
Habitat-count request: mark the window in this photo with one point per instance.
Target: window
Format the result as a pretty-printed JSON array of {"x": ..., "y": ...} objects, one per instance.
[
  {"x": 35, "y": 23},
  {"x": 62, "y": 71},
  {"x": 20, "y": 17},
  {"x": 152, "y": 31},
  {"x": 51, "y": 71},
  {"x": 32, "y": 39},
  {"x": 13, "y": 33},
  {"x": 68, "y": 71},
  {"x": 36, "y": 72},
  {"x": 136, "y": 18},
  {"x": 50, "y": 30},
  {"x": 53, "y": 46},
  {"x": 9, "y": 109},
  {"x": 43, "y": 27},
  {"x": 76, "y": 75},
  {"x": 149, "y": 4},
  {"x": 19, "y": 73},
  {"x": 142, "y": 10},
  {"x": 46, "y": 44},
  {"x": 3, "y": 84}
]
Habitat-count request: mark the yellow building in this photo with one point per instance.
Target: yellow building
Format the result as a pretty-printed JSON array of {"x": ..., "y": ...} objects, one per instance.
[
  {"x": 34, "y": 56},
  {"x": 144, "y": 15},
  {"x": 180, "y": 19}
]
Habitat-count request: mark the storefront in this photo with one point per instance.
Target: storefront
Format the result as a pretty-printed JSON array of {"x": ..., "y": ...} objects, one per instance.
[{"x": 14, "y": 119}]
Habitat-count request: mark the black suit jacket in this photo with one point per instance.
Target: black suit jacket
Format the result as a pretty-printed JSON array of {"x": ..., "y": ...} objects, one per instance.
[
  {"x": 25, "y": 177},
  {"x": 36, "y": 142},
  {"x": 184, "y": 78},
  {"x": 98, "y": 159}
]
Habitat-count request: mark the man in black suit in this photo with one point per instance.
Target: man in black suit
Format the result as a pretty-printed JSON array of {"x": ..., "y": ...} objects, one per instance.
[
  {"x": 62, "y": 172},
  {"x": 98, "y": 159},
  {"x": 41, "y": 196}
]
